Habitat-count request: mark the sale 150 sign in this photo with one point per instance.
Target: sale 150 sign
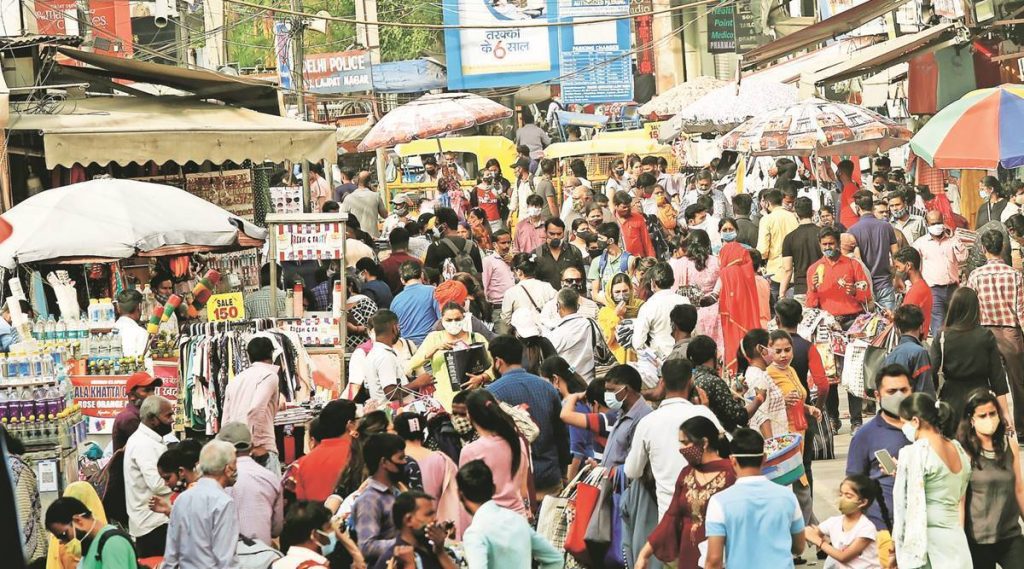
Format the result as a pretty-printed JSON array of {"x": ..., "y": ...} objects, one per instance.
[{"x": 229, "y": 307}]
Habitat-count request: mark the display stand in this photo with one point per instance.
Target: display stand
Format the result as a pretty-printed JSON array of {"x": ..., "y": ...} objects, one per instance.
[{"x": 311, "y": 237}]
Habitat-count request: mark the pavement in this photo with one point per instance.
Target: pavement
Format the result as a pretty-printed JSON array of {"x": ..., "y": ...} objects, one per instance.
[{"x": 828, "y": 475}]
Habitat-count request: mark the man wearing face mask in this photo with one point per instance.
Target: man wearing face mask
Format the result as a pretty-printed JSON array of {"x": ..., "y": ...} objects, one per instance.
[
  {"x": 912, "y": 226},
  {"x": 799, "y": 250},
  {"x": 941, "y": 255},
  {"x": 572, "y": 278},
  {"x": 384, "y": 455},
  {"x": 140, "y": 386},
  {"x": 622, "y": 393},
  {"x": 421, "y": 538},
  {"x": 883, "y": 432},
  {"x": 771, "y": 233},
  {"x": 308, "y": 537},
  {"x": 530, "y": 232},
  {"x": 574, "y": 335},
  {"x": 68, "y": 518},
  {"x": 398, "y": 217},
  {"x": 203, "y": 531},
  {"x": 556, "y": 254},
  {"x": 142, "y": 478},
  {"x": 256, "y": 491},
  {"x": 836, "y": 283}
]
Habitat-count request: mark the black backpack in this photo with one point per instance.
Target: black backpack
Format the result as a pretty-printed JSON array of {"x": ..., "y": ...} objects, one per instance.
[
  {"x": 105, "y": 537},
  {"x": 463, "y": 261}
]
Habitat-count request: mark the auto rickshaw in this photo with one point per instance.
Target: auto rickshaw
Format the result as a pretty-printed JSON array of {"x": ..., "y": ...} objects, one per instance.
[
  {"x": 405, "y": 173},
  {"x": 600, "y": 152}
]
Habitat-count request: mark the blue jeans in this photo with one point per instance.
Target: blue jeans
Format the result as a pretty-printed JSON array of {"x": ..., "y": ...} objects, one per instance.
[
  {"x": 940, "y": 300},
  {"x": 885, "y": 296}
]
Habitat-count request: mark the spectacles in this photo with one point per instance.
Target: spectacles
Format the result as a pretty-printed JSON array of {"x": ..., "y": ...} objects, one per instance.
[{"x": 571, "y": 281}]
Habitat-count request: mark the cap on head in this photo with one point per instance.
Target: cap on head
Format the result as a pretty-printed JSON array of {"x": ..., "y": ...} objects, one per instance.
[
  {"x": 523, "y": 163},
  {"x": 142, "y": 379},
  {"x": 237, "y": 434}
]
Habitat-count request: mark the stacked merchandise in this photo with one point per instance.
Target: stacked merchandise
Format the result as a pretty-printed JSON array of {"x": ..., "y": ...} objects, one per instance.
[{"x": 210, "y": 355}]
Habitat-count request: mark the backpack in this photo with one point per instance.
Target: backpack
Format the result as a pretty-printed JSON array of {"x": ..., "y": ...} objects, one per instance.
[
  {"x": 105, "y": 537},
  {"x": 602, "y": 262},
  {"x": 254, "y": 554},
  {"x": 462, "y": 262}
]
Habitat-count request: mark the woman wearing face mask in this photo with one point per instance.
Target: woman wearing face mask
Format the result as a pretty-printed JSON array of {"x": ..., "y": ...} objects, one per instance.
[
  {"x": 26, "y": 497},
  {"x": 66, "y": 555},
  {"x": 699, "y": 273},
  {"x": 374, "y": 286},
  {"x": 708, "y": 471},
  {"x": 177, "y": 467},
  {"x": 624, "y": 307},
  {"x": 738, "y": 308},
  {"x": 455, "y": 335},
  {"x": 965, "y": 355},
  {"x": 501, "y": 448},
  {"x": 359, "y": 308},
  {"x": 995, "y": 492},
  {"x": 931, "y": 480},
  {"x": 616, "y": 178}
]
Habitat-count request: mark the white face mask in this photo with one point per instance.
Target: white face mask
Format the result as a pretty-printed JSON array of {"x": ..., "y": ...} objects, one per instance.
[
  {"x": 937, "y": 229},
  {"x": 453, "y": 327},
  {"x": 532, "y": 211}
]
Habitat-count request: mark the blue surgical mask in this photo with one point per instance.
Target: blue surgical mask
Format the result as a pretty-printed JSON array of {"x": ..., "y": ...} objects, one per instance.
[
  {"x": 332, "y": 542},
  {"x": 611, "y": 400},
  {"x": 728, "y": 236},
  {"x": 831, "y": 253}
]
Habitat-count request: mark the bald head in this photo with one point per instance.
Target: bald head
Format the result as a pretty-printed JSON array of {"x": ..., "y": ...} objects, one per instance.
[
  {"x": 847, "y": 243},
  {"x": 933, "y": 217}
]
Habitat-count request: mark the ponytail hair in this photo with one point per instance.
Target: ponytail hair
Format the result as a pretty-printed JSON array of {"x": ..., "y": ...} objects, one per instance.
[
  {"x": 485, "y": 412},
  {"x": 527, "y": 263},
  {"x": 869, "y": 489},
  {"x": 697, "y": 428},
  {"x": 556, "y": 365},
  {"x": 926, "y": 408}
]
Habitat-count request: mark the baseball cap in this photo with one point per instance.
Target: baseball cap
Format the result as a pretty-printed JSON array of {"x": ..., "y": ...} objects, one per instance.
[
  {"x": 237, "y": 434},
  {"x": 398, "y": 198},
  {"x": 523, "y": 163},
  {"x": 142, "y": 379}
]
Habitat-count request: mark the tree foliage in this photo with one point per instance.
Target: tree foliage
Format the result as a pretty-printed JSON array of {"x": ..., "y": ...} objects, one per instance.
[{"x": 251, "y": 32}]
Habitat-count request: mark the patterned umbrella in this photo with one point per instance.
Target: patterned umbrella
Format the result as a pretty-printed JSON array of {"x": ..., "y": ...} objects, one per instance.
[
  {"x": 727, "y": 107},
  {"x": 430, "y": 116},
  {"x": 817, "y": 126},
  {"x": 981, "y": 130}
]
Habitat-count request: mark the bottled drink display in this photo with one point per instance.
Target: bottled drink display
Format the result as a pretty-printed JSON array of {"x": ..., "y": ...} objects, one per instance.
[{"x": 36, "y": 398}]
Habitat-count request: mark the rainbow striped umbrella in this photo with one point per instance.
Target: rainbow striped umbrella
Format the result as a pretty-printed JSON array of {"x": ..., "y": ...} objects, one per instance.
[{"x": 980, "y": 131}]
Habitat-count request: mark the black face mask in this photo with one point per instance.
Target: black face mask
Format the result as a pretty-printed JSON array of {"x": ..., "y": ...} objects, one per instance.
[
  {"x": 163, "y": 429},
  {"x": 262, "y": 460},
  {"x": 397, "y": 477}
]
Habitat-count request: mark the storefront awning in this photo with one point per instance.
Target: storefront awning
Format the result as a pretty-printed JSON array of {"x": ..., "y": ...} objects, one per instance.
[
  {"x": 790, "y": 71},
  {"x": 170, "y": 129},
  {"x": 240, "y": 91},
  {"x": 829, "y": 28},
  {"x": 883, "y": 55}
]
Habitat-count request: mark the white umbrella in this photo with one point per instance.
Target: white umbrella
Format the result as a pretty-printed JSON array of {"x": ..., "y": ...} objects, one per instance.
[
  {"x": 675, "y": 99},
  {"x": 727, "y": 107},
  {"x": 116, "y": 219}
]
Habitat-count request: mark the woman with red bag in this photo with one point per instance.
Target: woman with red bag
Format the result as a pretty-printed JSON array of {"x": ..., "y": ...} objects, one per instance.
[{"x": 708, "y": 472}]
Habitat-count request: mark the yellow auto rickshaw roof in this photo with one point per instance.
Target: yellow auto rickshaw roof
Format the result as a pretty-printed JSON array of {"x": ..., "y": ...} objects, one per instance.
[
  {"x": 626, "y": 142},
  {"x": 482, "y": 146}
]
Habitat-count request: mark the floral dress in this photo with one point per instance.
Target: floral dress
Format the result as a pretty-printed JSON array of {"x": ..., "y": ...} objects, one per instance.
[{"x": 708, "y": 321}]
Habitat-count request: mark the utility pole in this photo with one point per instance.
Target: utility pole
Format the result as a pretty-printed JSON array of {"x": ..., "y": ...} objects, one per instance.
[
  {"x": 297, "y": 34},
  {"x": 369, "y": 36}
]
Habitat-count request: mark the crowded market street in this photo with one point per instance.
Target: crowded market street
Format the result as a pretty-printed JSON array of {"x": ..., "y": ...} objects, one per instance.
[{"x": 511, "y": 284}]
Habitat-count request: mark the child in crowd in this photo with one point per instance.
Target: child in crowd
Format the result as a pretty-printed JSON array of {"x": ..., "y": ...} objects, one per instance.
[{"x": 849, "y": 538}]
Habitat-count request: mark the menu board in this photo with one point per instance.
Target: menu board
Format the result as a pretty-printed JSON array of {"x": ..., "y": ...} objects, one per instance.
[{"x": 309, "y": 241}]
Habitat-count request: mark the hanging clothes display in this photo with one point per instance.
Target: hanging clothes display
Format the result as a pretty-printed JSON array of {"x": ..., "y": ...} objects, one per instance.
[{"x": 210, "y": 356}]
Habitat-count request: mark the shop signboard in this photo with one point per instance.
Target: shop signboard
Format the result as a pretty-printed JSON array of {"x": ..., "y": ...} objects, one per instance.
[
  {"x": 592, "y": 8},
  {"x": 309, "y": 241},
  {"x": 643, "y": 31},
  {"x": 596, "y": 62},
  {"x": 56, "y": 17},
  {"x": 500, "y": 54},
  {"x": 100, "y": 396},
  {"x": 111, "y": 22},
  {"x": 227, "y": 307},
  {"x": 732, "y": 29},
  {"x": 337, "y": 72}
]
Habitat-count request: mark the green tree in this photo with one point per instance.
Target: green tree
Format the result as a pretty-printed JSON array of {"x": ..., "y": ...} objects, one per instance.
[{"x": 251, "y": 32}]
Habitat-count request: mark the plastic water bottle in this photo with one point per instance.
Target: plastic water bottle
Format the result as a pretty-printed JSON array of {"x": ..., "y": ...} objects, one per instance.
[
  {"x": 115, "y": 343},
  {"x": 36, "y": 362},
  {"x": 39, "y": 329},
  {"x": 61, "y": 331},
  {"x": 24, "y": 366},
  {"x": 109, "y": 315},
  {"x": 94, "y": 313},
  {"x": 11, "y": 371},
  {"x": 50, "y": 330}
]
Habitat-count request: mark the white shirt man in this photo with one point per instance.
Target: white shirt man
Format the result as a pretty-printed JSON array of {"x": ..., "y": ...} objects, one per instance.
[
  {"x": 383, "y": 368},
  {"x": 142, "y": 480},
  {"x": 656, "y": 441},
  {"x": 573, "y": 339},
  {"x": 653, "y": 326},
  {"x": 133, "y": 337}
]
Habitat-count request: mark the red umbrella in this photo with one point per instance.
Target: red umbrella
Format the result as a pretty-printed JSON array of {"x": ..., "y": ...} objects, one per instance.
[{"x": 430, "y": 116}]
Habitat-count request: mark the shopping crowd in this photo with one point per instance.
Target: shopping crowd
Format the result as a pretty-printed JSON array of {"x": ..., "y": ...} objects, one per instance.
[{"x": 633, "y": 355}]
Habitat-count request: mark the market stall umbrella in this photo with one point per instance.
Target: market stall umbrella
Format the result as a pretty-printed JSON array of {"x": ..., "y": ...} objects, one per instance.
[
  {"x": 818, "y": 127},
  {"x": 116, "y": 219},
  {"x": 727, "y": 107},
  {"x": 430, "y": 116},
  {"x": 980, "y": 131},
  {"x": 675, "y": 99}
]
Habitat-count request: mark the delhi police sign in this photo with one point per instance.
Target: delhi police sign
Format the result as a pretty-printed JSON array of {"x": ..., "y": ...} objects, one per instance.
[{"x": 338, "y": 72}]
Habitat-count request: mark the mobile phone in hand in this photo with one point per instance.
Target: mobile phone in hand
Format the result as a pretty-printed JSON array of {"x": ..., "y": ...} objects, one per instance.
[{"x": 886, "y": 461}]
